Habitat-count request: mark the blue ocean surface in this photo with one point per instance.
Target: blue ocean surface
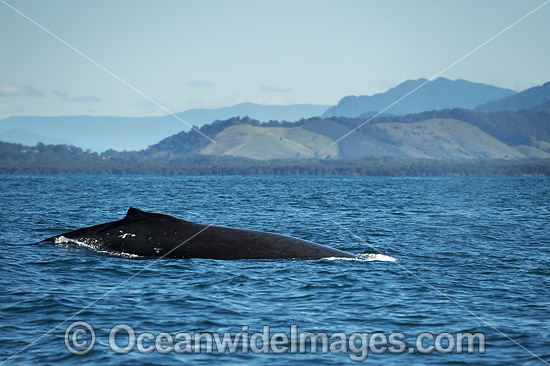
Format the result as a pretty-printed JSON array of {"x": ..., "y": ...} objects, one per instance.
[{"x": 439, "y": 256}]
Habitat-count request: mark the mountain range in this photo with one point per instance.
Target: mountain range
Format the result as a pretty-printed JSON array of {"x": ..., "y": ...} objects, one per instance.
[
  {"x": 513, "y": 127},
  {"x": 438, "y": 134},
  {"x": 537, "y": 97},
  {"x": 133, "y": 133},
  {"x": 438, "y": 94},
  {"x": 447, "y": 134}
]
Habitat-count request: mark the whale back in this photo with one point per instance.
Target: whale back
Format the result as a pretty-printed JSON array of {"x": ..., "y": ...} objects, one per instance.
[{"x": 151, "y": 234}]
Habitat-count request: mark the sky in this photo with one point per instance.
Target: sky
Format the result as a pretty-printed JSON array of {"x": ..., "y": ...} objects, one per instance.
[{"x": 210, "y": 54}]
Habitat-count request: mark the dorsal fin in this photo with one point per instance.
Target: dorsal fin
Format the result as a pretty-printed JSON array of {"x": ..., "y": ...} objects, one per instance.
[{"x": 134, "y": 213}]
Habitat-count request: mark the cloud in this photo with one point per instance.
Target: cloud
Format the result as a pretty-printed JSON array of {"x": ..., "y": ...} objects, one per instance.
[
  {"x": 79, "y": 98},
  {"x": 274, "y": 89},
  {"x": 198, "y": 84},
  {"x": 12, "y": 90}
]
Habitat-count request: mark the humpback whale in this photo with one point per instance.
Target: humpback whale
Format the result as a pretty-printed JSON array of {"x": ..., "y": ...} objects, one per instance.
[{"x": 148, "y": 234}]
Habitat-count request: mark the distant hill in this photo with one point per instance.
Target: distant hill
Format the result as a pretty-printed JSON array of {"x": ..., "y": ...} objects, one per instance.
[
  {"x": 537, "y": 97},
  {"x": 435, "y": 95},
  {"x": 264, "y": 113},
  {"x": 446, "y": 134},
  {"x": 265, "y": 143},
  {"x": 132, "y": 133},
  {"x": 259, "y": 132},
  {"x": 20, "y": 136},
  {"x": 445, "y": 142}
]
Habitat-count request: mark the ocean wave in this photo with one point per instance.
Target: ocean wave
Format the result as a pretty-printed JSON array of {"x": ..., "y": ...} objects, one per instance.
[
  {"x": 366, "y": 257},
  {"x": 92, "y": 245}
]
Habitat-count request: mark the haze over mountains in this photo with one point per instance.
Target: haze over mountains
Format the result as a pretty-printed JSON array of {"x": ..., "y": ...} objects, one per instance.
[{"x": 505, "y": 125}]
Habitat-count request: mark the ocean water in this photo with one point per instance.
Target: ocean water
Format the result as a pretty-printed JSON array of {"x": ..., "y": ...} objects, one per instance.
[{"x": 440, "y": 255}]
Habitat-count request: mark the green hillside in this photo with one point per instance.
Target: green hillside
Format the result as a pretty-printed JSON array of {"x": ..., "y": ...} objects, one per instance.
[
  {"x": 264, "y": 143},
  {"x": 356, "y": 144},
  {"x": 444, "y": 139},
  {"x": 435, "y": 138},
  {"x": 446, "y": 134}
]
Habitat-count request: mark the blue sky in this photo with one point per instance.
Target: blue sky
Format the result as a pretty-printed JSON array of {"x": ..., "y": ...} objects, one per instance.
[{"x": 207, "y": 54}]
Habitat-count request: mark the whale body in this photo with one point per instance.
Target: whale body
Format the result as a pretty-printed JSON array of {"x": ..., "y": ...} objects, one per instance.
[{"x": 148, "y": 234}]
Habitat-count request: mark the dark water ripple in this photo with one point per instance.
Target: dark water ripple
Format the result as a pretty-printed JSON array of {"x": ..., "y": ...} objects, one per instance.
[{"x": 484, "y": 243}]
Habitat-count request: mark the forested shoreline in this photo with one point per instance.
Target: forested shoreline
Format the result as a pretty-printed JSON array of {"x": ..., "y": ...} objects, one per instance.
[{"x": 63, "y": 159}]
